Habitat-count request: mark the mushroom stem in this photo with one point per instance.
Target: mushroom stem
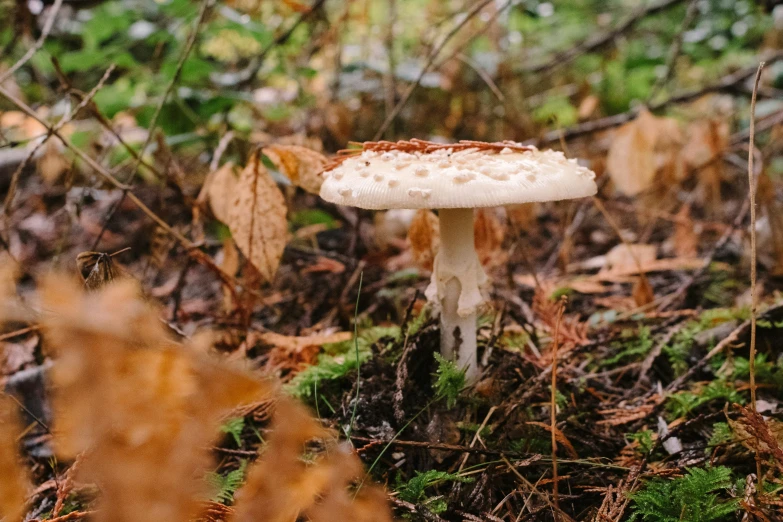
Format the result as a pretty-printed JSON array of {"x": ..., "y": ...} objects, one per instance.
[{"x": 457, "y": 276}]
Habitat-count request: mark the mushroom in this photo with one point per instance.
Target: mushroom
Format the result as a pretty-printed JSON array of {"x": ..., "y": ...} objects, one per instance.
[{"x": 454, "y": 179}]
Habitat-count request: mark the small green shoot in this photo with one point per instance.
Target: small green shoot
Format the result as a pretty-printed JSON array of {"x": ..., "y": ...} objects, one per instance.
[
  {"x": 644, "y": 439},
  {"x": 633, "y": 345},
  {"x": 234, "y": 427},
  {"x": 721, "y": 434},
  {"x": 449, "y": 380},
  {"x": 414, "y": 490}
]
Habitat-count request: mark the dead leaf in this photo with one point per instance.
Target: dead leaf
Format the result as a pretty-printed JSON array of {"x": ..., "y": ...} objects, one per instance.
[
  {"x": 14, "y": 484},
  {"x": 559, "y": 435},
  {"x": 640, "y": 149},
  {"x": 301, "y": 165},
  {"x": 489, "y": 234},
  {"x": 52, "y": 164},
  {"x": 339, "y": 502},
  {"x": 424, "y": 237},
  {"x": 257, "y": 218},
  {"x": 220, "y": 188},
  {"x": 685, "y": 240},
  {"x": 642, "y": 292},
  {"x": 631, "y": 159},
  {"x": 95, "y": 268},
  {"x": 707, "y": 140},
  {"x": 297, "y": 343},
  {"x": 588, "y": 106},
  {"x": 325, "y": 264},
  {"x": 624, "y": 257},
  {"x": 522, "y": 216}
]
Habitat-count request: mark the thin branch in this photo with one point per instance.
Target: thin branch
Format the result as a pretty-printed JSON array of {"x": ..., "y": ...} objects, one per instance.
[
  {"x": 754, "y": 298},
  {"x": 730, "y": 81},
  {"x": 429, "y": 62},
  {"x": 106, "y": 175},
  {"x": 9, "y": 198},
  {"x": 250, "y": 73},
  {"x": 38, "y": 44},
  {"x": 600, "y": 40},
  {"x": 752, "y": 187},
  {"x": 205, "y": 5},
  {"x": 674, "y": 49},
  {"x": 553, "y": 407}
]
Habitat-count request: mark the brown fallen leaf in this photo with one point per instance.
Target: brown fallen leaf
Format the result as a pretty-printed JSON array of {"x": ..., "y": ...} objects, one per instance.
[
  {"x": 685, "y": 240},
  {"x": 707, "y": 140},
  {"x": 424, "y": 237},
  {"x": 292, "y": 354},
  {"x": 257, "y": 218},
  {"x": 640, "y": 149},
  {"x": 325, "y": 264},
  {"x": 559, "y": 435},
  {"x": 14, "y": 484},
  {"x": 489, "y": 234},
  {"x": 642, "y": 292},
  {"x": 301, "y": 165},
  {"x": 631, "y": 159},
  {"x": 52, "y": 164},
  {"x": 624, "y": 257},
  {"x": 219, "y": 189},
  {"x": 295, "y": 344}
]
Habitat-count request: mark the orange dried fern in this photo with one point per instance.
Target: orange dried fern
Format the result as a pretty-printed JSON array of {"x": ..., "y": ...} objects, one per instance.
[
  {"x": 14, "y": 484},
  {"x": 142, "y": 408}
]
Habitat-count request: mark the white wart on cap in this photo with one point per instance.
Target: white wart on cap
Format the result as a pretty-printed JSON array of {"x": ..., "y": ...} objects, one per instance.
[{"x": 470, "y": 177}]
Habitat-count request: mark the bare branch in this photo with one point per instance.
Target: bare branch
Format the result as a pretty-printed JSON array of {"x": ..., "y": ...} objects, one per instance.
[{"x": 38, "y": 44}]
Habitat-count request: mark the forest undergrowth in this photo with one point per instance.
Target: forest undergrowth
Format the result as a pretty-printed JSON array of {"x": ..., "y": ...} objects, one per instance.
[{"x": 189, "y": 332}]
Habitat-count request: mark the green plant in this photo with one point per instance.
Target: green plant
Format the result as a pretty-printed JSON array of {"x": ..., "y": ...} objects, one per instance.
[
  {"x": 449, "y": 380},
  {"x": 414, "y": 490},
  {"x": 767, "y": 372},
  {"x": 678, "y": 350},
  {"x": 234, "y": 427},
  {"x": 699, "y": 496},
  {"x": 340, "y": 360},
  {"x": 632, "y": 344},
  {"x": 226, "y": 485},
  {"x": 682, "y": 403},
  {"x": 645, "y": 440},
  {"x": 721, "y": 434}
]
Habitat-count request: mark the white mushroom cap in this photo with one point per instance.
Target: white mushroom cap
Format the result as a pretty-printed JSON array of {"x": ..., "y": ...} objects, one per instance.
[{"x": 462, "y": 178}]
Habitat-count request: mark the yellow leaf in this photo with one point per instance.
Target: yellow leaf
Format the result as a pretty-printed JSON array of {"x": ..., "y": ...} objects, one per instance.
[
  {"x": 301, "y": 165},
  {"x": 257, "y": 218}
]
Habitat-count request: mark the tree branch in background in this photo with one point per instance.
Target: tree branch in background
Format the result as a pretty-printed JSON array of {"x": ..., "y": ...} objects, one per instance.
[
  {"x": 674, "y": 49},
  {"x": 728, "y": 82},
  {"x": 205, "y": 4},
  {"x": 429, "y": 62},
  {"x": 600, "y": 40},
  {"x": 47, "y": 28}
]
